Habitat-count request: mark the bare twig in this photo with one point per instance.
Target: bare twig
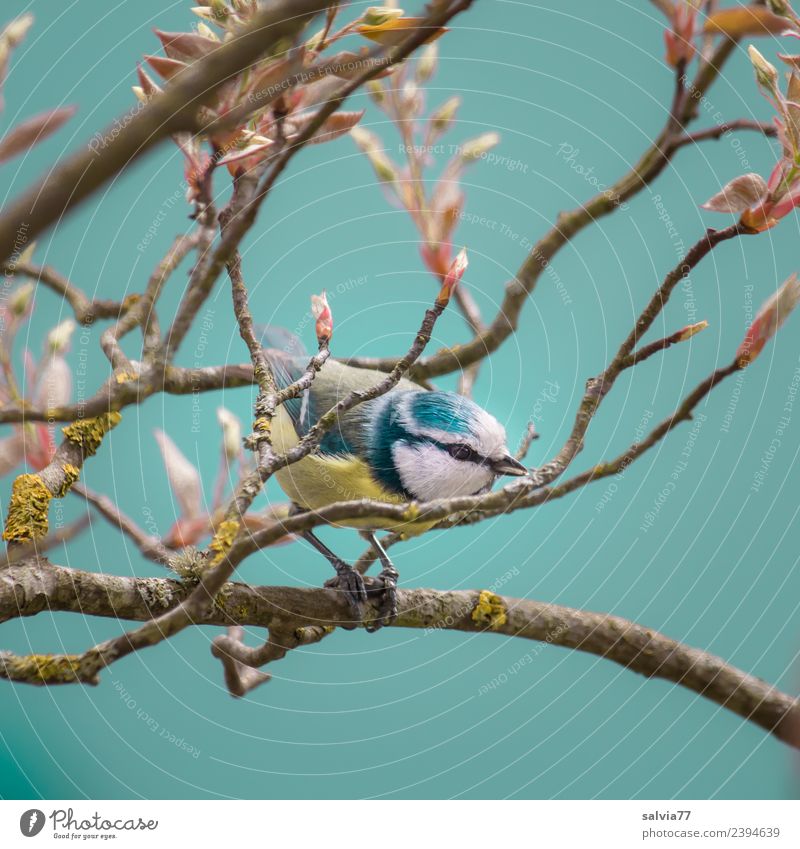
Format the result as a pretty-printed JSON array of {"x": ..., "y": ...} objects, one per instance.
[
  {"x": 598, "y": 387},
  {"x": 569, "y": 224},
  {"x": 527, "y": 439},
  {"x": 141, "y": 310},
  {"x": 86, "y": 309},
  {"x": 721, "y": 130}
]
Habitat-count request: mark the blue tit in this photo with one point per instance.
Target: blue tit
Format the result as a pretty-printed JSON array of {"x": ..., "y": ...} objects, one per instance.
[{"x": 409, "y": 444}]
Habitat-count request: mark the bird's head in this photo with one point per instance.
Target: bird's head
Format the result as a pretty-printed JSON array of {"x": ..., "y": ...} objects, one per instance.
[{"x": 443, "y": 445}]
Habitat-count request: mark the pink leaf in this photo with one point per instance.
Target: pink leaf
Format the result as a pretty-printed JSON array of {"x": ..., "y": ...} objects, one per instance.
[
  {"x": 774, "y": 311},
  {"x": 456, "y": 271},
  {"x": 337, "y": 125},
  {"x": 29, "y": 133},
  {"x": 186, "y": 45},
  {"x": 166, "y": 68},
  {"x": 238, "y": 154}
]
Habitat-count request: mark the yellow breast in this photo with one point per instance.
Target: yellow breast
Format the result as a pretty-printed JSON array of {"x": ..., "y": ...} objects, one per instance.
[{"x": 317, "y": 481}]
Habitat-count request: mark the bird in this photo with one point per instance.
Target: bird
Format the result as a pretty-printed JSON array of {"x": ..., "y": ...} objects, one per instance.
[{"x": 410, "y": 444}]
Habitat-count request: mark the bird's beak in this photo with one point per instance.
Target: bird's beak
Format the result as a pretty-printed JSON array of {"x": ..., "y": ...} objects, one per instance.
[{"x": 508, "y": 465}]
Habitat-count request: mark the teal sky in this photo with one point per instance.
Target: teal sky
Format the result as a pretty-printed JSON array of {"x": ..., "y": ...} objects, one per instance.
[{"x": 576, "y": 91}]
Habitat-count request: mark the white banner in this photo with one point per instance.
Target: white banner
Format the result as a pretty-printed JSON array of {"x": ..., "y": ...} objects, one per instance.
[{"x": 387, "y": 824}]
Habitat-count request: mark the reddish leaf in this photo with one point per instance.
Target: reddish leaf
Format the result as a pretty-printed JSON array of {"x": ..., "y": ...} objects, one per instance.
[
  {"x": 186, "y": 45},
  {"x": 774, "y": 311},
  {"x": 238, "y": 154},
  {"x": 167, "y": 68},
  {"x": 337, "y": 125},
  {"x": 456, "y": 271},
  {"x": 29, "y": 133},
  {"x": 148, "y": 84}
]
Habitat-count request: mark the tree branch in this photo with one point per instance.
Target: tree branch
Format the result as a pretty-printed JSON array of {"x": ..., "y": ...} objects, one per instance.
[
  {"x": 150, "y": 546},
  {"x": 87, "y": 310},
  {"x": 87, "y": 170},
  {"x": 569, "y": 224},
  {"x": 716, "y": 133},
  {"x": 27, "y": 589}
]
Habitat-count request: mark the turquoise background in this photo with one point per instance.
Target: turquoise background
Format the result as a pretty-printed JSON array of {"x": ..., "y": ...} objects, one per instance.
[{"x": 400, "y": 714}]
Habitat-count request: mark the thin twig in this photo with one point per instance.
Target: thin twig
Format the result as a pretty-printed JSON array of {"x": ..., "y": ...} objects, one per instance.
[
  {"x": 150, "y": 546},
  {"x": 718, "y": 132},
  {"x": 567, "y": 226},
  {"x": 87, "y": 310}
]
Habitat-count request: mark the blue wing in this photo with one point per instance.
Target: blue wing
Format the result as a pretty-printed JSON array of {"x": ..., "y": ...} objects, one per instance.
[{"x": 350, "y": 435}]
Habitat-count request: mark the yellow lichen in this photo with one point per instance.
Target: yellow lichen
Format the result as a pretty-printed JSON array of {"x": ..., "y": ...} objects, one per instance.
[
  {"x": 131, "y": 301},
  {"x": 124, "y": 377},
  {"x": 411, "y": 513},
  {"x": 489, "y": 612},
  {"x": 27, "y": 512},
  {"x": 262, "y": 424},
  {"x": 89, "y": 433},
  {"x": 71, "y": 474},
  {"x": 223, "y": 538},
  {"x": 45, "y": 668}
]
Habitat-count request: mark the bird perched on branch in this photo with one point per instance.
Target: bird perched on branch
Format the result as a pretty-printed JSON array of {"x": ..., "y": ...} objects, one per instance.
[
  {"x": 404, "y": 444},
  {"x": 407, "y": 445}
]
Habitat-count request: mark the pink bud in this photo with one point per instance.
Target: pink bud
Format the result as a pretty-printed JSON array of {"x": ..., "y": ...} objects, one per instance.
[
  {"x": 456, "y": 271},
  {"x": 323, "y": 316},
  {"x": 679, "y": 39}
]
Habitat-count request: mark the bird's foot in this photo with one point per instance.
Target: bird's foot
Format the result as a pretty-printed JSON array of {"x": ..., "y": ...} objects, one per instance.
[
  {"x": 387, "y": 612},
  {"x": 351, "y": 583}
]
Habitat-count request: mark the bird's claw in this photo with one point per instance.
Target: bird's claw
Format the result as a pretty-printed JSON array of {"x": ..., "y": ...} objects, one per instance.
[
  {"x": 351, "y": 583},
  {"x": 387, "y": 612}
]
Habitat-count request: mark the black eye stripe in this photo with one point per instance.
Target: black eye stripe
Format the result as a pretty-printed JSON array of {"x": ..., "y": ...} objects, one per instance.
[{"x": 459, "y": 451}]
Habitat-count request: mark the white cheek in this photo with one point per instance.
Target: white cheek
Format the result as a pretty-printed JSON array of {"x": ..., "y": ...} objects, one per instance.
[{"x": 428, "y": 473}]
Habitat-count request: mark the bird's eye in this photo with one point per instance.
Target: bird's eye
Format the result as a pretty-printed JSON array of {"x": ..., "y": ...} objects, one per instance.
[{"x": 460, "y": 452}]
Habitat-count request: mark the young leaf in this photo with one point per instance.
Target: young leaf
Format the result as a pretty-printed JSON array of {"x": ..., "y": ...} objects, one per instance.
[
  {"x": 394, "y": 31},
  {"x": 740, "y": 194},
  {"x": 166, "y": 68},
  {"x": 744, "y": 21},
  {"x": 337, "y": 125},
  {"x": 29, "y": 133},
  {"x": 774, "y": 311},
  {"x": 184, "y": 479},
  {"x": 185, "y": 45}
]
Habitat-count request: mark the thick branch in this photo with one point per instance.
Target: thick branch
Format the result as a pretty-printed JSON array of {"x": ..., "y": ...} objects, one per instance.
[{"x": 27, "y": 589}]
